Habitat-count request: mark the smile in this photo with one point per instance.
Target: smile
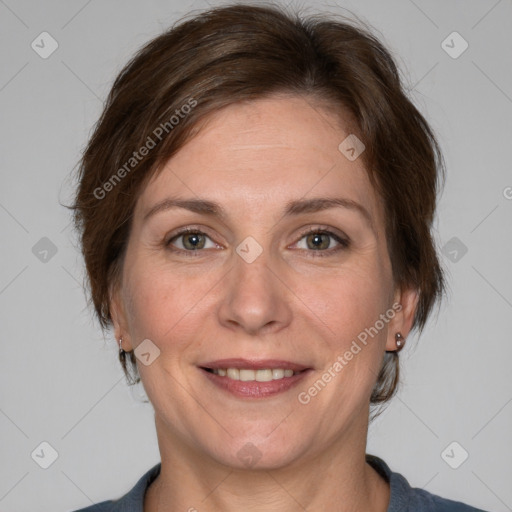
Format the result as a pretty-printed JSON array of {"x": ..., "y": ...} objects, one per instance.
[{"x": 252, "y": 384}]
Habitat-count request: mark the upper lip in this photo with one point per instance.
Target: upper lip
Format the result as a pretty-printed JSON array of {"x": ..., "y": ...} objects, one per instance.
[{"x": 254, "y": 364}]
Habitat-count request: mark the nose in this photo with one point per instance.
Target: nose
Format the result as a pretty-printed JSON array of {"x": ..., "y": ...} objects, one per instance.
[{"x": 256, "y": 299}]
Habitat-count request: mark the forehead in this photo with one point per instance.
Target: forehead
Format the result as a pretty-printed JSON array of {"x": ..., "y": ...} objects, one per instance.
[{"x": 264, "y": 153}]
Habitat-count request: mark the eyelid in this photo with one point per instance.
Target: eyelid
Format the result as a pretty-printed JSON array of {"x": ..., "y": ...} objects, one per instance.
[
  {"x": 343, "y": 240},
  {"x": 324, "y": 229},
  {"x": 185, "y": 230}
]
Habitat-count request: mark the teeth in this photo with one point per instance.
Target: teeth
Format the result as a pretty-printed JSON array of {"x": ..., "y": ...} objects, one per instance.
[
  {"x": 233, "y": 373},
  {"x": 247, "y": 375},
  {"x": 277, "y": 373}
]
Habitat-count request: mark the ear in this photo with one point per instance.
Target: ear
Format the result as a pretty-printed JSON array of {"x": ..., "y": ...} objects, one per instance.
[
  {"x": 119, "y": 318},
  {"x": 404, "y": 305}
]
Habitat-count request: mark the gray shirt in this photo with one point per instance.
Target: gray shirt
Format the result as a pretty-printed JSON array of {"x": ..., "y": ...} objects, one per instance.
[{"x": 404, "y": 498}]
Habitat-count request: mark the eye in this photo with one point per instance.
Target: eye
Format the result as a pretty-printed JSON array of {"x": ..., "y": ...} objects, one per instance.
[
  {"x": 319, "y": 240},
  {"x": 192, "y": 240}
]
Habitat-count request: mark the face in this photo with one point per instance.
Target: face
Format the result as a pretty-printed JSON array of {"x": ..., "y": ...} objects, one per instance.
[{"x": 264, "y": 282}]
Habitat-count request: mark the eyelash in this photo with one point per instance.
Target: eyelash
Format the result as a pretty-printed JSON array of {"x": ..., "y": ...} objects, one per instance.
[{"x": 343, "y": 243}]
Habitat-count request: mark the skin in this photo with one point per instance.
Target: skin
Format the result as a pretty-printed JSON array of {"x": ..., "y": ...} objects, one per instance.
[{"x": 290, "y": 303}]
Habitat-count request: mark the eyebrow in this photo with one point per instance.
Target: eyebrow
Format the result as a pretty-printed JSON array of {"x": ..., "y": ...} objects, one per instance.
[{"x": 296, "y": 207}]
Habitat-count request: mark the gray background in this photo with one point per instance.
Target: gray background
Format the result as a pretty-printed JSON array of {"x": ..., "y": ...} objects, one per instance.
[{"x": 60, "y": 382}]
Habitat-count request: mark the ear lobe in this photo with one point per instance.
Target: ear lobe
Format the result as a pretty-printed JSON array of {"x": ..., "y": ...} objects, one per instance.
[
  {"x": 409, "y": 300},
  {"x": 404, "y": 317},
  {"x": 117, "y": 313}
]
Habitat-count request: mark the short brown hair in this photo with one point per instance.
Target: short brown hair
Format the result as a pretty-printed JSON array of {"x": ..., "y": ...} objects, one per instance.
[{"x": 240, "y": 53}]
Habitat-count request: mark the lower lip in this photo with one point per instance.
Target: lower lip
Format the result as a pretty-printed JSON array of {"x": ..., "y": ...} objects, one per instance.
[{"x": 255, "y": 389}]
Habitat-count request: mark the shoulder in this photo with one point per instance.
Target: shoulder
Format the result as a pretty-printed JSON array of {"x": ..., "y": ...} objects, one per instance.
[
  {"x": 132, "y": 501},
  {"x": 421, "y": 500},
  {"x": 405, "y": 498}
]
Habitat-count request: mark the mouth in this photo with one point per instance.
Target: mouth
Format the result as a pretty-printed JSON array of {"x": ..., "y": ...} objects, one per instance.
[{"x": 254, "y": 378}]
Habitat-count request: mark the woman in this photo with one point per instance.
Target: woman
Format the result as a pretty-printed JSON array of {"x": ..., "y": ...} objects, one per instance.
[{"x": 255, "y": 207}]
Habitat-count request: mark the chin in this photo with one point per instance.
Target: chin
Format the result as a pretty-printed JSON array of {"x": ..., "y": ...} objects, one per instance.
[{"x": 256, "y": 453}]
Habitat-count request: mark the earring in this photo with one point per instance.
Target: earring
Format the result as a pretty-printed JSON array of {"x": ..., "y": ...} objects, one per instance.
[
  {"x": 399, "y": 341},
  {"x": 121, "y": 351}
]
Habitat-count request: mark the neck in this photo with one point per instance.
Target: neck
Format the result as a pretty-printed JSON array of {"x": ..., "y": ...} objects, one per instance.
[{"x": 339, "y": 475}]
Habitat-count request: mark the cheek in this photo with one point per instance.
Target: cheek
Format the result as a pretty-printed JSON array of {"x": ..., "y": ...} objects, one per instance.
[
  {"x": 162, "y": 302},
  {"x": 349, "y": 299},
  {"x": 354, "y": 343}
]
